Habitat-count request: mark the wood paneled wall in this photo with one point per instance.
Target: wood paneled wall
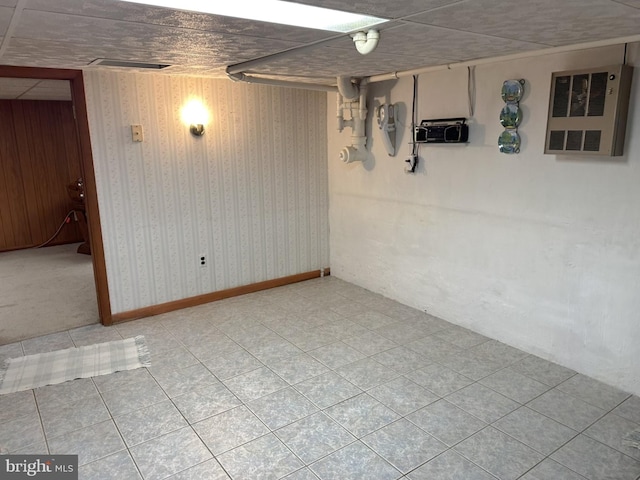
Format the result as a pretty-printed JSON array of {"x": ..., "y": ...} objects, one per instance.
[{"x": 39, "y": 157}]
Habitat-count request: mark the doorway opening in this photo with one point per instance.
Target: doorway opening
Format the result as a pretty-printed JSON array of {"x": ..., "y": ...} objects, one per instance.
[{"x": 73, "y": 80}]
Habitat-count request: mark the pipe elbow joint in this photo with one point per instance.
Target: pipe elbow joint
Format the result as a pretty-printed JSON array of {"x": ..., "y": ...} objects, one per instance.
[
  {"x": 236, "y": 77},
  {"x": 366, "y": 42},
  {"x": 347, "y": 88}
]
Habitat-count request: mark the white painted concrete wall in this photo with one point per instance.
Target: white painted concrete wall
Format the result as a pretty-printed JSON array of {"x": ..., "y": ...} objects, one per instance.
[{"x": 539, "y": 251}]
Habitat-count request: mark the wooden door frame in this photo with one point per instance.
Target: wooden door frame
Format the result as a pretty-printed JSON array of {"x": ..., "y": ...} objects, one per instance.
[{"x": 75, "y": 78}]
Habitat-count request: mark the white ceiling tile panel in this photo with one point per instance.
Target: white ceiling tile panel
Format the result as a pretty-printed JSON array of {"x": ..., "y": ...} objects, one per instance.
[
  {"x": 549, "y": 22},
  {"x": 44, "y": 94},
  {"x": 5, "y": 19},
  {"x": 17, "y": 84},
  {"x": 631, "y": 3},
  {"x": 420, "y": 40},
  {"x": 61, "y": 86},
  {"x": 144, "y": 14},
  {"x": 88, "y": 30},
  {"x": 325, "y": 66},
  {"x": 399, "y": 49},
  {"x": 34, "y": 89},
  {"x": 72, "y": 33},
  {"x": 44, "y": 53},
  {"x": 93, "y": 34}
]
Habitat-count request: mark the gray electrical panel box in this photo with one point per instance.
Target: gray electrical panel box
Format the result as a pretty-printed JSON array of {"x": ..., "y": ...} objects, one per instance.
[{"x": 588, "y": 111}]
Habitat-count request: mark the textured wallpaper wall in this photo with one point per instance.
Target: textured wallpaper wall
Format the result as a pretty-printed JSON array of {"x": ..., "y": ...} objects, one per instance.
[{"x": 251, "y": 194}]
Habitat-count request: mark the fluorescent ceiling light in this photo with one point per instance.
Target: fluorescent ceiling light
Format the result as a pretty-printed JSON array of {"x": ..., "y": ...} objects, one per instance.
[{"x": 274, "y": 11}]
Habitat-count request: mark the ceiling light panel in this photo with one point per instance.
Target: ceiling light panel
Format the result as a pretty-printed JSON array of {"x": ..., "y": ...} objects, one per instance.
[
  {"x": 275, "y": 11},
  {"x": 134, "y": 13},
  {"x": 392, "y": 9}
]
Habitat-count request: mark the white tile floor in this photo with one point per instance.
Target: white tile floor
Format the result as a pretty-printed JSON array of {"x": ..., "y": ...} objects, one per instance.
[{"x": 322, "y": 379}]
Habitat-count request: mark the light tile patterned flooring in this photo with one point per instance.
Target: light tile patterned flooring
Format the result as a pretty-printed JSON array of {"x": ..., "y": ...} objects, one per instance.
[{"x": 322, "y": 379}]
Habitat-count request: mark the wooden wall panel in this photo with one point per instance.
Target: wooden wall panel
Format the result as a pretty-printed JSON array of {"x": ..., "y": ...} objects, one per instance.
[
  {"x": 48, "y": 156},
  {"x": 14, "y": 227}
]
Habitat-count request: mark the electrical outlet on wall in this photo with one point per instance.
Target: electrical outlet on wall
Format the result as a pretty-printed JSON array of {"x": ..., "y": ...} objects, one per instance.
[{"x": 136, "y": 133}]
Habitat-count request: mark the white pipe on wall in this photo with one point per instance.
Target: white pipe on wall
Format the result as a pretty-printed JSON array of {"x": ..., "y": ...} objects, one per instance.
[
  {"x": 347, "y": 88},
  {"x": 362, "y": 102},
  {"x": 340, "y": 113},
  {"x": 357, "y": 106},
  {"x": 241, "y": 77}
]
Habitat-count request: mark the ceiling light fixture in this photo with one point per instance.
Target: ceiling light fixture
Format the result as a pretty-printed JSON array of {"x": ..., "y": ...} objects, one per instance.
[{"x": 275, "y": 11}]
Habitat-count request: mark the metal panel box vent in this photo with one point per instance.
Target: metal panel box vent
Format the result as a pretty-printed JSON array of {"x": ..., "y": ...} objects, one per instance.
[{"x": 588, "y": 111}]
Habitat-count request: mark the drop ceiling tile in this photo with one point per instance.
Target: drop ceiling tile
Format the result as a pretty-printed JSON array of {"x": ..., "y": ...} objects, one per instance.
[
  {"x": 549, "y": 22},
  {"x": 331, "y": 62},
  {"x": 36, "y": 94},
  {"x": 397, "y": 50},
  {"x": 17, "y": 84},
  {"x": 33, "y": 89},
  {"x": 97, "y": 38},
  {"x": 72, "y": 33},
  {"x": 44, "y": 53},
  {"x": 5, "y": 19},
  {"x": 59, "y": 85},
  {"x": 95, "y": 33},
  {"x": 149, "y": 15},
  {"x": 423, "y": 41},
  {"x": 9, "y": 94},
  {"x": 631, "y": 3},
  {"x": 50, "y": 90}
]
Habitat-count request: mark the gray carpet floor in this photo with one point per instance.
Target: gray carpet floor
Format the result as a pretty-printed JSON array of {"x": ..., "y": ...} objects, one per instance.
[{"x": 44, "y": 291}]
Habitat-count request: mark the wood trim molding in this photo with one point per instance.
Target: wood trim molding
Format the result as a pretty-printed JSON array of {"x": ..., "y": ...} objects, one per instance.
[
  {"x": 91, "y": 198},
  {"x": 214, "y": 296}
]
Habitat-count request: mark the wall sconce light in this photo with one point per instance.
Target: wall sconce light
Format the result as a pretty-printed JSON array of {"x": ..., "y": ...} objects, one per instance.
[
  {"x": 196, "y": 129},
  {"x": 195, "y": 114}
]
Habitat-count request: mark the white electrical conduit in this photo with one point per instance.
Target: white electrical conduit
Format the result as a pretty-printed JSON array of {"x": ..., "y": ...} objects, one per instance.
[{"x": 241, "y": 77}]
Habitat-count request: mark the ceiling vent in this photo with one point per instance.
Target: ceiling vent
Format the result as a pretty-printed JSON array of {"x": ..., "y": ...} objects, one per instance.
[
  {"x": 588, "y": 111},
  {"x": 107, "y": 62}
]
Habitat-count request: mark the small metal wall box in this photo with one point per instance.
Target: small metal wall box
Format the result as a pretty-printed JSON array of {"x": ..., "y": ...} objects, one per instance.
[{"x": 588, "y": 111}]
